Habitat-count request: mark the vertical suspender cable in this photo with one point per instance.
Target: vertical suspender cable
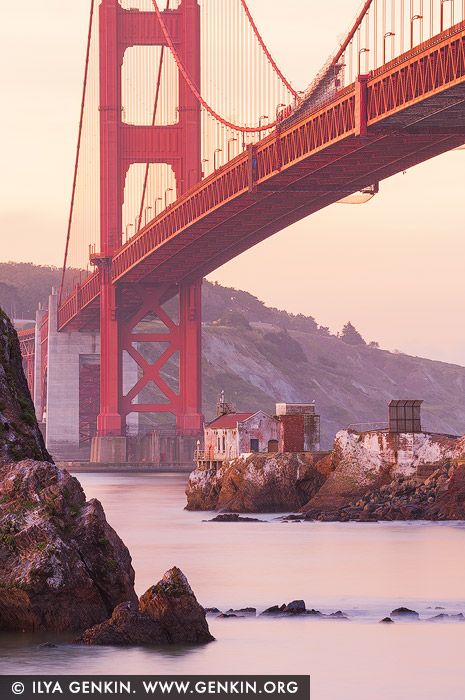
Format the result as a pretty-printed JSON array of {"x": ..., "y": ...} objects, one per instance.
[
  {"x": 154, "y": 116},
  {"x": 76, "y": 163}
]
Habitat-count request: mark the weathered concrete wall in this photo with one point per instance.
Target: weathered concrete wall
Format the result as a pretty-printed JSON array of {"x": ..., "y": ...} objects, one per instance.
[
  {"x": 311, "y": 433},
  {"x": 259, "y": 427},
  {"x": 221, "y": 443},
  {"x": 67, "y": 351},
  {"x": 364, "y": 461},
  {"x": 63, "y": 368}
]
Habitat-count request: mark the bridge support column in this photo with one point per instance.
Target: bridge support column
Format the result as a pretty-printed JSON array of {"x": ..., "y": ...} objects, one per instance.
[
  {"x": 109, "y": 422},
  {"x": 190, "y": 419},
  {"x": 66, "y": 352}
]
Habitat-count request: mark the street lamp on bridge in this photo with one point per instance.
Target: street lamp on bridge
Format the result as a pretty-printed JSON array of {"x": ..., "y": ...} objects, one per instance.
[
  {"x": 137, "y": 223},
  {"x": 204, "y": 160},
  {"x": 127, "y": 235},
  {"x": 168, "y": 189},
  {"x": 158, "y": 199},
  {"x": 229, "y": 142},
  {"x": 359, "y": 58},
  {"x": 442, "y": 13},
  {"x": 145, "y": 214},
  {"x": 412, "y": 20},
  {"x": 217, "y": 150},
  {"x": 264, "y": 116},
  {"x": 388, "y": 34}
]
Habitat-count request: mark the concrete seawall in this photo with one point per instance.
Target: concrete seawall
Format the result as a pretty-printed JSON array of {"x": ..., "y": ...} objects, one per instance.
[{"x": 126, "y": 468}]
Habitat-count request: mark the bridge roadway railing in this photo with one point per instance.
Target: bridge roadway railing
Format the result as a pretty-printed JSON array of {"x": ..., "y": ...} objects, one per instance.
[
  {"x": 428, "y": 68},
  {"x": 272, "y": 154}
]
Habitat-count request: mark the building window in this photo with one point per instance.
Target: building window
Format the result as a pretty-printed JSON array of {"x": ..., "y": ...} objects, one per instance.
[
  {"x": 219, "y": 444},
  {"x": 224, "y": 444},
  {"x": 254, "y": 445}
]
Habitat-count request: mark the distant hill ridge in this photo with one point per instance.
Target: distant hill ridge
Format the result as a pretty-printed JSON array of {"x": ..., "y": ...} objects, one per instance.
[{"x": 260, "y": 356}]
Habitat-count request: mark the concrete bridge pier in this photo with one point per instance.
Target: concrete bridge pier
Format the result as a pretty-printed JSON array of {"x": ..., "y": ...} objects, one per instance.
[{"x": 68, "y": 352}]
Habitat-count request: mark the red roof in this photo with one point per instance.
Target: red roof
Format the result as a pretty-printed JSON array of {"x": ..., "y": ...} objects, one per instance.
[{"x": 229, "y": 420}]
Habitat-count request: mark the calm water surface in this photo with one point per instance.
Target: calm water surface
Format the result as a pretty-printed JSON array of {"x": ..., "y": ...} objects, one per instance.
[{"x": 364, "y": 569}]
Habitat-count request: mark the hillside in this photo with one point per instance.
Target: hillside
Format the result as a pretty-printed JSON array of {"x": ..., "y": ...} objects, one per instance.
[
  {"x": 260, "y": 355},
  {"x": 350, "y": 384}
]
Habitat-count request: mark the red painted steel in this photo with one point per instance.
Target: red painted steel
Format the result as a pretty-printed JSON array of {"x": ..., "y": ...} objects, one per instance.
[
  {"x": 400, "y": 114},
  {"x": 318, "y": 161},
  {"x": 120, "y": 146},
  {"x": 192, "y": 85}
]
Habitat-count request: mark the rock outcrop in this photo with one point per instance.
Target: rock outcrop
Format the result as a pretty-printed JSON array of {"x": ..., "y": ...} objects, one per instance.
[
  {"x": 20, "y": 437},
  {"x": 63, "y": 566},
  {"x": 364, "y": 463},
  {"x": 168, "y": 613},
  {"x": 440, "y": 497},
  {"x": 260, "y": 483}
]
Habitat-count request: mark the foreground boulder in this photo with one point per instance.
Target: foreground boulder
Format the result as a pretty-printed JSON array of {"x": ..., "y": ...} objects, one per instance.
[
  {"x": 260, "y": 483},
  {"x": 168, "y": 613},
  {"x": 63, "y": 566}
]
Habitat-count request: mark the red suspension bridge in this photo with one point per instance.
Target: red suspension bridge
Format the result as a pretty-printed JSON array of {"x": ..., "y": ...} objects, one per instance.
[{"x": 193, "y": 147}]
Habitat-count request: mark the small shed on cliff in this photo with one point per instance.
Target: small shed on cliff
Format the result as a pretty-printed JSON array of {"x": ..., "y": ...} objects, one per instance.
[{"x": 405, "y": 416}]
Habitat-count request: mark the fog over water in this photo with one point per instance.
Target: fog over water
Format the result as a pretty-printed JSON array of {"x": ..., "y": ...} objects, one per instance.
[{"x": 364, "y": 569}]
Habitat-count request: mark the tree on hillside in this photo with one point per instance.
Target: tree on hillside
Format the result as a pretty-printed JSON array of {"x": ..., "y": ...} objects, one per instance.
[
  {"x": 351, "y": 336},
  {"x": 234, "y": 319}
]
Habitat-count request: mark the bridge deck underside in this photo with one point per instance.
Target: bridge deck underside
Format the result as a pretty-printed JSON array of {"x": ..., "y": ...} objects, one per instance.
[{"x": 427, "y": 128}]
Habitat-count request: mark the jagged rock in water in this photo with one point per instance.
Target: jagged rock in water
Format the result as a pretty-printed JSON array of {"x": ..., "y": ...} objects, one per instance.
[
  {"x": 274, "y": 610},
  {"x": 244, "y": 611},
  {"x": 295, "y": 607},
  {"x": 168, "y": 613},
  {"x": 386, "y": 620},
  {"x": 260, "y": 483},
  {"x": 233, "y": 518},
  {"x": 63, "y": 566},
  {"x": 20, "y": 437},
  {"x": 403, "y": 612}
]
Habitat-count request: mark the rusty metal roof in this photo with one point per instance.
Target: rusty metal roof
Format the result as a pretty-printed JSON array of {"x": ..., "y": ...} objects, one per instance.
[
  {"x": 229, "y": 420},
  {"x": 406, "y": 402}
]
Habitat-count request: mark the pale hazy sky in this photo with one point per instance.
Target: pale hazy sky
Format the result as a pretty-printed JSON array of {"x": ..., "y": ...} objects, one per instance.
[{"x": 394, "y": 266}]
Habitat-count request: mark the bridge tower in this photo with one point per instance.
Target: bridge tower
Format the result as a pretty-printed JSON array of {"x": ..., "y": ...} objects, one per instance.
[{"x": 122, "y": 145}]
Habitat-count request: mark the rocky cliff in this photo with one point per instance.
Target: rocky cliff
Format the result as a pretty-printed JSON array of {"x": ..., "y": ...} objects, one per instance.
[
  {"x": 20, "y": 437},
  {"x": 260, "y": 483},
  {"x": 379, "y": 474},
  {"x": 168, "y": 613},
  {"x": 63, "y": 566}
]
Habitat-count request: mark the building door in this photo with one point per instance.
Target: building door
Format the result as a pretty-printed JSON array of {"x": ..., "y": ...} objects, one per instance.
[
  {"x": 272, "y": 445},
  {"x": 254, "y": 445}
]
